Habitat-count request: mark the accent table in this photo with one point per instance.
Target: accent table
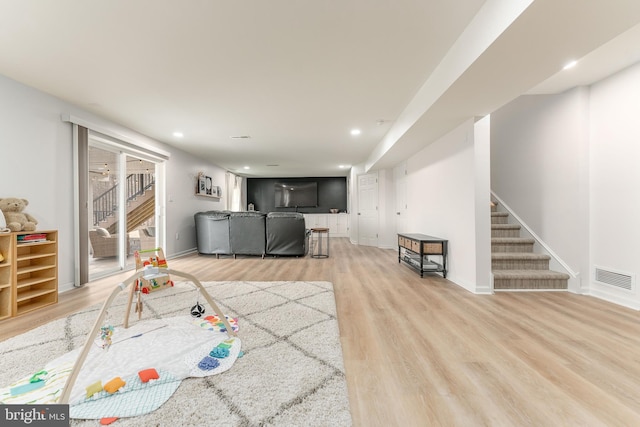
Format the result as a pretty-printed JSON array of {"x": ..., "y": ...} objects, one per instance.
[{"x": 415, "y": 250}]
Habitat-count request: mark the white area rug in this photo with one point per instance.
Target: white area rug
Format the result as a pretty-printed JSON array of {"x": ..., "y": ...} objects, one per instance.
[{"x": 291, "y": 373}]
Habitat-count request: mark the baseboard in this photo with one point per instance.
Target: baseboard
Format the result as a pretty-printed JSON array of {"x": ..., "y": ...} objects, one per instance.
[
  {"x": 615, "y": 299},
  {"x": 66, "y": 287},
  {"x": 531, "y": 290},
  {"x": 471, "y": 287},
  {"x": 182, "y": 253}
]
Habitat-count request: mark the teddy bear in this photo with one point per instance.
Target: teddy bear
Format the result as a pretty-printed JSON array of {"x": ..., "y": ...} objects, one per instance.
[{"x": 17, "y": 220}]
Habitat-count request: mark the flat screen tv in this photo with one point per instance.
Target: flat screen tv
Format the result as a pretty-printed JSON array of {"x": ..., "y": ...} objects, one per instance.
[{"x": 296, "y": 194}]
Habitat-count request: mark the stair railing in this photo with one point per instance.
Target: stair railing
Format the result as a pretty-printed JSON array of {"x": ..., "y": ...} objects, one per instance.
[{"x": 107, "y": 203}]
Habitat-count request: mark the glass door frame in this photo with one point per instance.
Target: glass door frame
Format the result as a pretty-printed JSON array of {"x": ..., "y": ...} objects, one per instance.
[{"x": 83, "y": 137}]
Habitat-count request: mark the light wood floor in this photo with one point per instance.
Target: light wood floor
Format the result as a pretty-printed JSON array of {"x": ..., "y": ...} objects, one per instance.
[{"x": 425, "y": 352}]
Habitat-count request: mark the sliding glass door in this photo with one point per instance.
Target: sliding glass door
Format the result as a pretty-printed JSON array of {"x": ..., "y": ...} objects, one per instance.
[{"x": 122, "y": 208}]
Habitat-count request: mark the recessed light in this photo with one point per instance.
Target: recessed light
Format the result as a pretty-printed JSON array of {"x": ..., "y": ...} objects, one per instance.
[
  {"x": 247, "y": 167},
  {"x": 355, "y": 132},
  {"x": 178, "y": 134},
  {"x": 570, "y": 65},
  {"x": 343, "y": 166}
]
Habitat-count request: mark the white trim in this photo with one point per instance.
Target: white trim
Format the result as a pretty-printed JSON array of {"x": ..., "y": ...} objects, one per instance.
[
  {"x": 614, "y": 299},
  {"x": 531, "y": 290},
  {"x": 123, "y": 236},
  {"x": 130, "y": 143},
  {"x": 547, "y": 249},
  {"x": 76, "y": 208},
  {"x": 161, "y": 204}
]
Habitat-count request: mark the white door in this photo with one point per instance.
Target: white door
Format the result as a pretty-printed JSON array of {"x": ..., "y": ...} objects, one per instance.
[
  {"x": 401, "y": 205},
  {"x": 368, "y": 209}
]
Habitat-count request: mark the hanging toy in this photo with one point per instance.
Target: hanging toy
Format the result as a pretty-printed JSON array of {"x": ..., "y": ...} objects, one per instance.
[
  {"x": 106, "y": 333},
  {"x": 138, "y": 298},
  {"x": 197, "y": 310}
]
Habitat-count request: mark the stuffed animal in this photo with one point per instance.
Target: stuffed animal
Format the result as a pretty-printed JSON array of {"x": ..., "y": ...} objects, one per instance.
[{"x": 17, "y": 220}]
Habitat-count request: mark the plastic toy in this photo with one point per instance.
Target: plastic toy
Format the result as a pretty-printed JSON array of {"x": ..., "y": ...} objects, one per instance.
[
  {"x": 106, "y": 334},
  {"x": 155, "y": 276},
  {"x": 197, "y": 310}
]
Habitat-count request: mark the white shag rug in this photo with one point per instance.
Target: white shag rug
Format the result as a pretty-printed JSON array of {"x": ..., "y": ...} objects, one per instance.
[{"x": 291, "y": 373}]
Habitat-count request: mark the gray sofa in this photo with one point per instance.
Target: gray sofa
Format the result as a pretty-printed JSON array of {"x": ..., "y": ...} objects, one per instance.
[{"x": 251, "y": 233}]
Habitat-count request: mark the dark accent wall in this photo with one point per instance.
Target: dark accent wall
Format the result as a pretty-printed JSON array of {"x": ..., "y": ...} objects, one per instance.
[{"x": 332, "y": 194}]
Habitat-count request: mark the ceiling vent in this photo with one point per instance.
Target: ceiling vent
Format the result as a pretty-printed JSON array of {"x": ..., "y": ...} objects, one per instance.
[
  {"x": 616, "y": 279},
  {"x": 240, "y": 137}
]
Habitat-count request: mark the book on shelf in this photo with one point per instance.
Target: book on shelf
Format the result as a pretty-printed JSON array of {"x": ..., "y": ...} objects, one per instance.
[{"x": 32, "y": 238}]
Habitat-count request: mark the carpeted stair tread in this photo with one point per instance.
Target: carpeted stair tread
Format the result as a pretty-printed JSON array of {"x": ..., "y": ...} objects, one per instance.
[
  {"x": 499, "y": 217},
  {"x": 505, "y": 227},
  {"x": 529, "y": 274},
  {"x": 513, "y": 263},
  {"x": 509, "y": 240},
  {"x": 518, "y": 256}
]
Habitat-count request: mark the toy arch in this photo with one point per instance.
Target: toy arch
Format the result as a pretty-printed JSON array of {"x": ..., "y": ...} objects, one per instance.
[{"x": 66, "y": 391}]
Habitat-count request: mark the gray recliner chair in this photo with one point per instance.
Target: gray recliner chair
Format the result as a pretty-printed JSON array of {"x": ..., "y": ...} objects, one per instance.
[
  {"x": 247, "y": 233},
  {"x": 212, "y": 232},
  {"x": 286, "y": 234}
]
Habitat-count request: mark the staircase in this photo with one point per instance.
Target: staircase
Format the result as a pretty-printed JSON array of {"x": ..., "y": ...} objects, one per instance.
[
  {"x": 137, "y": 213},
  {"x": 513, "y": 263},
  {"x": 140, "y": 196}
]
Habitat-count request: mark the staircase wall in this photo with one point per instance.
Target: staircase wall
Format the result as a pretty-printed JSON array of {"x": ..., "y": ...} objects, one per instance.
[
  {"x": 568, "y": 164},
  {"x": 539, "y": 168}
]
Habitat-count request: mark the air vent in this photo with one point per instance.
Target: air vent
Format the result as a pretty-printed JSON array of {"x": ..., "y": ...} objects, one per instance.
[
  {"x": 616, "y": 279},
  {"x": 240, "y": 137}
]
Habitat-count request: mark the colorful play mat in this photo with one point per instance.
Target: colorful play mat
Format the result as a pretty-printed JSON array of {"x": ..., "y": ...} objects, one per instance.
[{"x": 139, "y": 371}]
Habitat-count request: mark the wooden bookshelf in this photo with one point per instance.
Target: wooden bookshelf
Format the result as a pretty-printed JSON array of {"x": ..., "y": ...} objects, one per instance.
[{"x": 29, "y": 273}]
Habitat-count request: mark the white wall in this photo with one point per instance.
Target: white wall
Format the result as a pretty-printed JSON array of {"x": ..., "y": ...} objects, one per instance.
[
  {"x": 36, "y": 164},
  {"x": 615, "y": 180},
  {"x": 481, "y": 151},
  {"x": 387, "y": 238},
  {"x": 568, "y": 166},
  {"x": 182, "y": 172},
  {"x": 538, "y": 144},
  {"x": 442, "y": 184}
]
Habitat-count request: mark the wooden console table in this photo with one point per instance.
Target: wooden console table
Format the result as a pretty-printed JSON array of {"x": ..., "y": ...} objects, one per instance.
[{"x": 415, "y": 251}]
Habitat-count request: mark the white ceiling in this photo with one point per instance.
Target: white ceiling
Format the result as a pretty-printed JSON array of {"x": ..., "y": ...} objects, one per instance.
[{"x": 297, "y": 76}]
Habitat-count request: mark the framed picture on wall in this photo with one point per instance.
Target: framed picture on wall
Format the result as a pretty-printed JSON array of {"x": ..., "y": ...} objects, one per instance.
[
  {"x": 201, "y": 188},
  {"x": 205, "y": 187}
]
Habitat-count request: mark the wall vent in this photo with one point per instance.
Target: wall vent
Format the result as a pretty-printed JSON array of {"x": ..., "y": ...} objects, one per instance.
[{"x": 617, "y": 279}]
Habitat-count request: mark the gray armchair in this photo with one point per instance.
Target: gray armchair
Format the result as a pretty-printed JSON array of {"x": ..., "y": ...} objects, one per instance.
[
  {"x": 212, "y": 232},
  {"x": 247, "y": 233},
  {"x": 286, "y": 234}
]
